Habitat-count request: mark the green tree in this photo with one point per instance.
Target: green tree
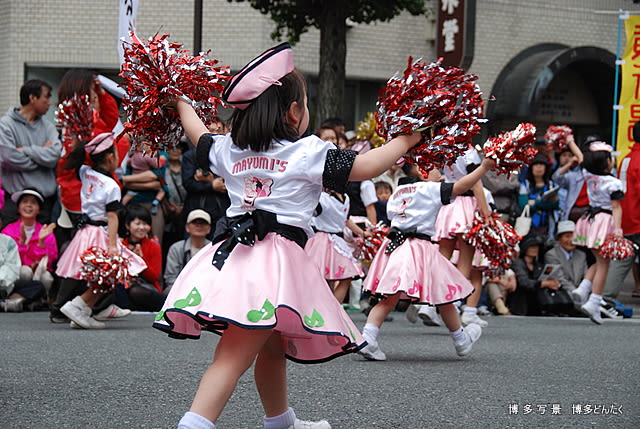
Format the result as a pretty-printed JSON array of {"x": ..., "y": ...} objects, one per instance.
[{"x": 294, "y": 17}]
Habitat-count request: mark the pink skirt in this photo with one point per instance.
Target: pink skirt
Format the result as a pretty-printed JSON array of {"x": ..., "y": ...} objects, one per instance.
[
  {"x": 593, "y": 234},
  {"x": 69, "y": 264},
  {"x": 332, "y": 255},
  {"x": 419, "y": 272},
  {"x": 455, "y": 218},
  {"x": 271, "y": 285}
]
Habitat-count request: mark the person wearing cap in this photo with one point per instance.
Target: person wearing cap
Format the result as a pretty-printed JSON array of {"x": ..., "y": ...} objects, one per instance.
[
  {"x": 100, "y": 196},
  {"x": 29, "y": 150},
  {"x": 198, "y": 227},
  {"x": 531, "y": 192},
  {"x": 36, "y": 244},
  {"x": 256, "y": 286}
]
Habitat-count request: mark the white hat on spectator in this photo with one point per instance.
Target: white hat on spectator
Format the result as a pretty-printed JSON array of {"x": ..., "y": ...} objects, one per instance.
[
  {"x": 565, "y": 226},
  {"x": 199, "y": 214}
]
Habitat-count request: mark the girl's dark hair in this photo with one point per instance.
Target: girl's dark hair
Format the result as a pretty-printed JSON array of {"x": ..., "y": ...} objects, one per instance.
[
  {"x": 130, "y": 213},
  {"x": 383, "y": 184},
  {"x": 76, "y": 81},
  {"x": 77, "y": 156},
  {"x": 596, "y": 162},
  {"x": 265, "y": 119},
  {"x": 539, "y": 159}
]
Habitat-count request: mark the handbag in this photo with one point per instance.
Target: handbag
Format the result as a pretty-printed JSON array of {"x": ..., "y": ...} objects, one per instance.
[
  {"x": 523, "y": 222},
  {"x": 554, "y": 301}
]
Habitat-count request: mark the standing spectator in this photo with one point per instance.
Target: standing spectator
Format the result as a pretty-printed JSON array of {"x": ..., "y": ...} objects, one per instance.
[
  {"x": 335, "y": 123},
  {"x": 532, "y": 193},
  {"x": 327, "y": 134},
  {"x": 504, "y": 189},
  {"x": 29, "y": 149},
  {"x": 198, "y": 227},
  {"x": 629, "y": 174},
  {"x": 204, "y": 190},
  {"x": 174, "y": 206},
  {"x": 570, "y": 178},
  {"x": 36, "y": 242},
  {"x": 383, "y": 192}
]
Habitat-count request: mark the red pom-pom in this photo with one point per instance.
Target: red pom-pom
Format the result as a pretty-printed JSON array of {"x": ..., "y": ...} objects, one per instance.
[
  {"x": 103, "y": 271},
  {"x": 497, "y": 242},
  {"x": 75, "y": 117},
  {"x": 369, "y": 246},
  {"x": 513, "y": 149},
  {"x": 556, "y": 136},
  {"x": 156, "y": 72},
  {"x": 442, "y": 102},
  {"x": 617, "y": 248}
]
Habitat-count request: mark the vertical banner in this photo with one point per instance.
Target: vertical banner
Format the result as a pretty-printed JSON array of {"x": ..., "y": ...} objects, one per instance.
[
  {"x": 455, "y": 32},
  {"x": 126, "y": 23},
  {"x": 629, "y": 103}
]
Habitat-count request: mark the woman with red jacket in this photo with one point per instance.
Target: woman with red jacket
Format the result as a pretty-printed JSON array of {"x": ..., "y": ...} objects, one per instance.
[{"x": 144, "y": 292}]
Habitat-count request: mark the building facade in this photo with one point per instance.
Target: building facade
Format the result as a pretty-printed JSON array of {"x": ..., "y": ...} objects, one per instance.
[{"x": 543, "y": 61}]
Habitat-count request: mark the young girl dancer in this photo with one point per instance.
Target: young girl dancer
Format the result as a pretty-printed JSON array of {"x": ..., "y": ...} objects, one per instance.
[
  {"x": 100, "y": 198},
  {"x": 455, "y": 219},
  {"x": 603, "y": 217},
  {"x": 408, "y": 265},
  {"x": 262, "y": 292},
  {"x": 327, "y": 249}
]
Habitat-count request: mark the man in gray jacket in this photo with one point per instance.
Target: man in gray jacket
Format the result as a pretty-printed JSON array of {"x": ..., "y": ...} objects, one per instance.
[{"x": 29, "y": 149}]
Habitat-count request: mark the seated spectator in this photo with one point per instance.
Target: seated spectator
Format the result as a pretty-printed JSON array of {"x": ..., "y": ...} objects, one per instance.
[
  {"x": 527, "y": 267},
  {"x": 498, "y": 288},
  {"x": 383, "y": 192},
  {"x": 144, "y": 292},
  {"x": 36, "y": 242},
  {"x": 198, "y": 227},
  {"x": 574, "y": 269},
  {"x": 9, "y": 273}
]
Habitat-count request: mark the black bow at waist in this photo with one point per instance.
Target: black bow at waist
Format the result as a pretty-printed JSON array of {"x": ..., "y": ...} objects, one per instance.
[
  {"x": 244, "y": 229},
  {"x": 591, "y": 213},
  {"x": 397, "y": 237}
]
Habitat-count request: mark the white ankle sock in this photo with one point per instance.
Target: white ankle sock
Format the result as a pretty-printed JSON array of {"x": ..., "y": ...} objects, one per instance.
[
  {"x": 457, "y": 335},
  {"x": 194, "y": 421},
  {"x": 283, "y": 421},
  {"x": 585, "y": 286},
  {"x": 596, "y": 299},
  {"x": 471, "y": 310},
  {"x": 370, "y": 332}
]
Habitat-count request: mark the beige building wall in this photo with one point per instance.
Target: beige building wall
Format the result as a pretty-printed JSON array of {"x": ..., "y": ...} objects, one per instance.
[{"x": 68, "y": 33}]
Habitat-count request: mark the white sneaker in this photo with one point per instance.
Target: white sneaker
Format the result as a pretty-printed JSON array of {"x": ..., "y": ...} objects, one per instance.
[
  {"x": 610, "y": 312},
  {"x": 80, "y": 313},
  {"x": 303, "y": 424},
  {"x": 372, "y": 351},
  {"x": 472, "y": 333},
  {"x": 429, "y": 315},
  {"x": 412, "y": 313},
  {"x": 579, "y": 297},
  {"x": 468, "y": 318},
  {"x": 592, "y": 310},
  {"x": 112, "y": 312}
]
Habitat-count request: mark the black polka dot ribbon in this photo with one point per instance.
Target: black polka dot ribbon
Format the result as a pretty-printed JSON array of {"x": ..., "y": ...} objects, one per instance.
[{"x": 396, "y": 237}]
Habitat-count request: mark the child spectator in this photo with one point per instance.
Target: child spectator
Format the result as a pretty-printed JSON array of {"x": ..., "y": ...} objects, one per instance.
[{"x": 383, "y": 192}]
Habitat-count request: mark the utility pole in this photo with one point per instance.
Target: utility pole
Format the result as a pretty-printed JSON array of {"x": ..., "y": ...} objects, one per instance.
[{"x": 197, "y": 27}]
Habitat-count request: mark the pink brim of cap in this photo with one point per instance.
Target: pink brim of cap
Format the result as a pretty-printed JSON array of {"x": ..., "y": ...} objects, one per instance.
[
  {"x": 258, "y": 75},
  {"x": 600, "y": 147},
  {"x": 99, "y": 143}
]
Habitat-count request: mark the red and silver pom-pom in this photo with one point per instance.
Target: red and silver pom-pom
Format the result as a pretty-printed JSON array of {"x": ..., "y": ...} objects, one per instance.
[
  {"x": 443, "y": 102},
  {"x": 75, "y": 117},
  {"x": 497, "y": 242},
  {"x": 556, "y": 136},
  {"x": 103, "y": 271},
  {"x": 369, "y": 246},
  {"x": 617, "y": 248},
  {"x": 513, "y": 149},
  {"x": 157, "y": 71}
]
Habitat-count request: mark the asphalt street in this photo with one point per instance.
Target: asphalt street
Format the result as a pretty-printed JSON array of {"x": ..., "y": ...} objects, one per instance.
[{"x": 523, "y": 373}]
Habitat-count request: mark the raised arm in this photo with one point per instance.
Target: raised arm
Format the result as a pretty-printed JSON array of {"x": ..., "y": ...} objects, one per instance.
[
  {"x": 468, "y": 181},
  {"x": 192, "y": 124},
  {"x": 377, "y": 161}
]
